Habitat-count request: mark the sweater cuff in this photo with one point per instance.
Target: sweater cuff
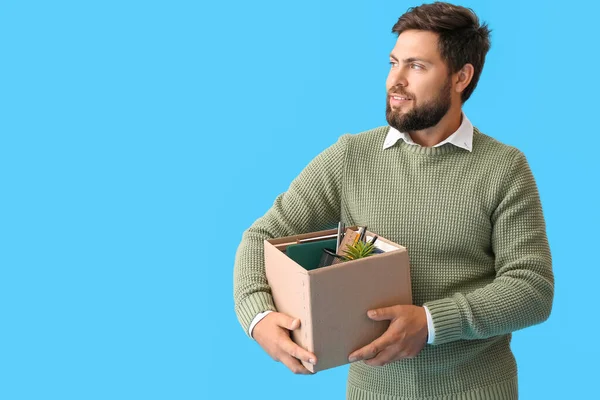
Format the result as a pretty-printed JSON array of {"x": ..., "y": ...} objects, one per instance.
[
  {"x": 251, "y": 306},
  {"x": 446, "y": 320}
]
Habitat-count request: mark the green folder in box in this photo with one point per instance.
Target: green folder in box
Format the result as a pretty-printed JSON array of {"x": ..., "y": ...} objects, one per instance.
[{"x": 308, "y": 255}]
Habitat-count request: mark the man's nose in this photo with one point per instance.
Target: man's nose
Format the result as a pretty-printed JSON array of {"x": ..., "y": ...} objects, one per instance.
[{"x": 398, "y": 78}]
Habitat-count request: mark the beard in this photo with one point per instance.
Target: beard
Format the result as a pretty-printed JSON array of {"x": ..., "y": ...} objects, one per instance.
[{"x": 420, "y": 117}]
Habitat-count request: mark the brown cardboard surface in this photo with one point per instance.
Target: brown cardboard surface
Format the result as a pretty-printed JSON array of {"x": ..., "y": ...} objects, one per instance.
[{"x": 332, "y": 302}]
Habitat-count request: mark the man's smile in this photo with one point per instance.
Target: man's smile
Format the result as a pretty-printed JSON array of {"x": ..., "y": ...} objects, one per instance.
[{"x": 396, "y": 100}]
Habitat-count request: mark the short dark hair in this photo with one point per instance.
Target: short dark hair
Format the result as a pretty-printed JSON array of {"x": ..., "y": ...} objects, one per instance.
[{"x": 461, "y": 39}]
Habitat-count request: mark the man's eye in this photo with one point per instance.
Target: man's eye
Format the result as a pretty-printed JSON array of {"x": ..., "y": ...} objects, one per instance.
[
  {"x": 393, "y": 64},
  {"x": 416, "y": 66}
]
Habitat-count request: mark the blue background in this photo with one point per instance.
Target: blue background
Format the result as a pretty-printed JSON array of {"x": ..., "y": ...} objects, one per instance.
[{"x": 138, "y": 139}]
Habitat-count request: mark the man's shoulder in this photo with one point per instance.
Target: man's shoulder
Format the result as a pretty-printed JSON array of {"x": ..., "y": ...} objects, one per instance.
[{"x": 491, "y": 148}]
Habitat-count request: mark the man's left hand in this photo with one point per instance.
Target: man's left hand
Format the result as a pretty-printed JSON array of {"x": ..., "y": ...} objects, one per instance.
[{"x": 405, "y": 337}]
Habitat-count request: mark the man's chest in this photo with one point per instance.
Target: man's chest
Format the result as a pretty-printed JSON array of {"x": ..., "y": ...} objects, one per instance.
[{"x": 448, "y": 212}]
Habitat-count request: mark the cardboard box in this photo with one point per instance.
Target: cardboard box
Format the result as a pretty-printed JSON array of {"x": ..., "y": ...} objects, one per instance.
[{"x": 332, "y": 302}]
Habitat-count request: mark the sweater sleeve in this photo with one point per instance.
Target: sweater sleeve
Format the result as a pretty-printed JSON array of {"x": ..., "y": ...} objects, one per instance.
[
  {"x": 522, "y": 292},
  {"x": 311, "y": 203}
]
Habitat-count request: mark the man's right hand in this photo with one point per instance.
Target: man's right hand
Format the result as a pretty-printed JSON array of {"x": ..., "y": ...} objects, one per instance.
[{"x": 273, "y": 334}]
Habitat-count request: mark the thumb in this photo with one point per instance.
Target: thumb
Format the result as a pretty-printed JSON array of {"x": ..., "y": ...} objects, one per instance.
[
  {"x": 381, "y": 314},
  {"x": 288, "y": 322}
]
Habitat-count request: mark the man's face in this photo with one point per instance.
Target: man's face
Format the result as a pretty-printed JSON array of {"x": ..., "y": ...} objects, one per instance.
[{"x": 419, "y": 87}]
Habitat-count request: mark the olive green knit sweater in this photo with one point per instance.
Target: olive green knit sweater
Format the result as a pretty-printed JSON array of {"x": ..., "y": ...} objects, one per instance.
[{"x": 474, "y": 229}]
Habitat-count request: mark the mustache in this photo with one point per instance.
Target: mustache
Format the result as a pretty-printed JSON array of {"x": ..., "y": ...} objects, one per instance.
[{"x": 400, "y": 92}]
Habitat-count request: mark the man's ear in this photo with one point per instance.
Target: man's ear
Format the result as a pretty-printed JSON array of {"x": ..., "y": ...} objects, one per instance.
[{"x": 463, "y": 77}]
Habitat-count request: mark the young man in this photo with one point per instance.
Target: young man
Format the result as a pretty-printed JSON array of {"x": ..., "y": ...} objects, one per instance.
[{"x": 465, "y": 206}]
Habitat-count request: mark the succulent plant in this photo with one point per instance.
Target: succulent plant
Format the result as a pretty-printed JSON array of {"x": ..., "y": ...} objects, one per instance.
[{"x": 358, "y": 250}]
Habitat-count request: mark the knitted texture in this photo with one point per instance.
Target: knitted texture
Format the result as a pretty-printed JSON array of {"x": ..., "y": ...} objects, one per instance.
[{"x": 473, "y": 226}]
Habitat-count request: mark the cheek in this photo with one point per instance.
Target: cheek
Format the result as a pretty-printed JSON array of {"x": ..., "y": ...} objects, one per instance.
[
  {"x": 422, "y": 91},
  {"x": 429, "y": 88}
]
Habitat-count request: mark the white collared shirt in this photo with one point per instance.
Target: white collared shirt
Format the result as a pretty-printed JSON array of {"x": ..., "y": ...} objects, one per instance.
[{"x": 463, "y": 137}]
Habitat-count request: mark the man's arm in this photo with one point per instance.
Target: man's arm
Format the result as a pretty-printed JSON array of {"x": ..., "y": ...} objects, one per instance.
[
  {"x": 522, "y": 292},
  {"x": 312, "y": 203}
]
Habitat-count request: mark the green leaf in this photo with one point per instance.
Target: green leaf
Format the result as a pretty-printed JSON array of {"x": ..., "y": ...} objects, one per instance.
[{"x": 358, "y": 250}]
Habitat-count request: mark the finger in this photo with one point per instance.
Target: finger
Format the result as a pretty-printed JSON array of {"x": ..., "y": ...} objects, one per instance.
[
  {"x": 294, "y": 365},
  {"x": 388, "y": 355},
  {"x": 287, "y": 322},
  {"x": 384, "y": 313},
  {"x": 298, "y": 352},
  {"x": 372, "y": 349}
]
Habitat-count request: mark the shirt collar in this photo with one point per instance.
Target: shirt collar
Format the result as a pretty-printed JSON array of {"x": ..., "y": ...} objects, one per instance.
[{"x": 462, "y": 138}]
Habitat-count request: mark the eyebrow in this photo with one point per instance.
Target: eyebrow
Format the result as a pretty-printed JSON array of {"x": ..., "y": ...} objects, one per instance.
[{"x": 412, "y": 59}]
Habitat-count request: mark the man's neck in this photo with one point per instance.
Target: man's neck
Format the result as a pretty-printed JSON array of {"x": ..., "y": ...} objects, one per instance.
[{"x": 447, "y": 126}]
